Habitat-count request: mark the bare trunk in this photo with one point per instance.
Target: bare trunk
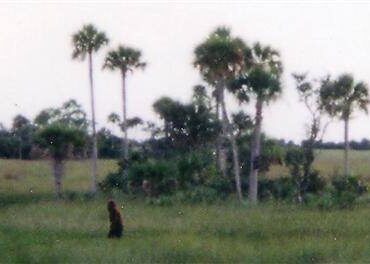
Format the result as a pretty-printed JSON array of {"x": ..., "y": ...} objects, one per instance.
[
  {"x": 346, "y": 148},
  {"x": 220, "y": 143},
  {"x": 124, "y": 128},
  {"x": 218, "y": 162},
  {"x": 255, "y": 153},
  {"x": 226, "y": 127},
  {"x": 166, "y": 130},
  {"x": 20, "y": 149},
  {"x": 58, "y": 168},
  {"x": 94, "y": 156}
]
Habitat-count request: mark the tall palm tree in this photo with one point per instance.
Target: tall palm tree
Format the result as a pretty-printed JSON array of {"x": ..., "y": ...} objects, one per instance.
[
  {"x": 85, "y": 42},
  {"x": 219, "y": 59},
  {"x": 260, "y": 79},
  {"x": 340, "y": 98},
  {"x": 124, "y": 59}
]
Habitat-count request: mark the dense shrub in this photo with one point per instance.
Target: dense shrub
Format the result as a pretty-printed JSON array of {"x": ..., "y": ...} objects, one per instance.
[
  {"x": 160, "y": 175},
  {"x": 196, "y": 167},
  {"x": 347, "y": 190},
  {"x": 299, "y": 160},
  {"x": 315, "y": 183},
  {"x": 198, "y": 194},
  {"x": 349, "y": 184},
  {"x": 343, "y": 192},
  {"x": 201, "y": 194},
  {"x": 279, "y": 188},
  {"x": 114, "y": 180}
]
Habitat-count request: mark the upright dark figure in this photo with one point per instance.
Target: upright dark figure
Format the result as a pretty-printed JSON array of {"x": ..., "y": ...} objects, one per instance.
[{"x": 116, "y": 224}]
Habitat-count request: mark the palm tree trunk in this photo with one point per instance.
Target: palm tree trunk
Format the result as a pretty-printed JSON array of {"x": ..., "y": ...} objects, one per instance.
[
  {"x": 166, "y": 130},
  {"x": 124, "y": 127},
  {"x": 58, "y": 169},
  {"x": 228, "y": 131},
  {"x": 20, "y": 149},
  {"x": 94, "y": 156},
  {"x": 346, "y": 148},
  {"x": 220, "y": 143},
  {"x": 218, "y": 162},
  {"x": 255, "y": 153}
]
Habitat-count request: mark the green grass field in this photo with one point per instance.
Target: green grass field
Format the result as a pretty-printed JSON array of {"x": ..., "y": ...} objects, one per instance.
[
  {"x": 330, "y": 162},
  {"x": 35, "y": 228}
]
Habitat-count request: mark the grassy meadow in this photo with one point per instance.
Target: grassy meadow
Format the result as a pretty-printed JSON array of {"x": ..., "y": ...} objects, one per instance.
[{"x": 36, "y": 228}]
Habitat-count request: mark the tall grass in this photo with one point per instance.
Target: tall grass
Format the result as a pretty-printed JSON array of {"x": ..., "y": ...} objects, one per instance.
[
  {"x": 36, "y": 228},
  {"x": 76, "y": 232}
]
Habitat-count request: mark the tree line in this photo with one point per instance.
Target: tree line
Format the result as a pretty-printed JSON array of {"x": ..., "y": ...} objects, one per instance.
[{"x": 200, "y": 141}]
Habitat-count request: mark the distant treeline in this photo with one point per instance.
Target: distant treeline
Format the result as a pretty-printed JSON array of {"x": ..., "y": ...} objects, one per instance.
[
  {"x": 12, "y": 146},
  {"x": 363, "y": 144},
  {"x": 17, "y": 142}
]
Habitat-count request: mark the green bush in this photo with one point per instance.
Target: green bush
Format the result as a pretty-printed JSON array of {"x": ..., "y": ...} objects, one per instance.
[
  {"x": 349, "y": 184},
  {"x": 161, "y": 176},
  {"x": 299, "y": 160},
  {"x": 201, "y": 194},
  {"x": 347, "y": 190},
  {"x": 198, "y": 194},
  {"x": 343, "y": 192},
  {"x": 196, "y": 168},
  {"x": 315, "y": 183},
  {"x": 113, "y": 180},
  {"x": 223, "y": 186},
  {"x": 279, "y": 188}
]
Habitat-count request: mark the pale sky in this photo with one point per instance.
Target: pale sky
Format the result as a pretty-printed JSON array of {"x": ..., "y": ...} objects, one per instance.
[{"x": 36, "y": 69}]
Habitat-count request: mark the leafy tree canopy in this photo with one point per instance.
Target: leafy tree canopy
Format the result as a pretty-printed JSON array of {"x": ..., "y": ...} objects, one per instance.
[{"x": 69, "y": 114}]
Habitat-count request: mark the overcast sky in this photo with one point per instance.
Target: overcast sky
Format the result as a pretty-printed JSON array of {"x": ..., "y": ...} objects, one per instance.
[{"x": 36, "y": 70}]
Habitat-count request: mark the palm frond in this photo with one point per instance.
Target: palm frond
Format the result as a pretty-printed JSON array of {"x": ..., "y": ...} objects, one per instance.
[
  {"x": 87, "y": 40},
  {"x": 125, "y": 59}
]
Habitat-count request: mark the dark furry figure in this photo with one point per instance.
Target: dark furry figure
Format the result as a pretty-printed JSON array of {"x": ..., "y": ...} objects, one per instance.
[{"x": 116, "y": 223}]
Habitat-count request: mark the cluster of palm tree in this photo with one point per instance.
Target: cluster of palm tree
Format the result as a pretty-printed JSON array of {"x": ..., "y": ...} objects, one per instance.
[
  {"x": 87, "y": 41},
  {"x": 228, "y": 63}
]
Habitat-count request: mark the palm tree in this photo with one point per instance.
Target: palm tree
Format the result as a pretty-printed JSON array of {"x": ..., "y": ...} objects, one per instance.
[
  {"x": 261, "y": 79},
  {"x": 340, "y": 98},
  {"x": 59, "y": 140},
  {"x": 85, "y": 42},
  {"x": 219, "y": 59},
  {"x": 126, "y": 60}
]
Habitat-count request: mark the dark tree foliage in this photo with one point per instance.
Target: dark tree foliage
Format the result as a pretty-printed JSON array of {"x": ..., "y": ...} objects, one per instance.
[
  {"x": 69, "y": 113},
  {"x": 60, "y": 140},
  {"x": 190, "y": 125},
  {"x": 109, "y": 145},
  {"x": 181, "y": 156},
  {"x": 23, "y": 131},
  {"x": 8, "y": 144}
]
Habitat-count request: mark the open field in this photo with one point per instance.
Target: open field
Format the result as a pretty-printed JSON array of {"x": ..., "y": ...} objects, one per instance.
[
  {"x": 329, "y": 162},
  {"x": 75, "y": 232},
  {"x": 35, "y": 228},
  {"x": 25, "y": 176},
  {"x": 35, "y": 175}
]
